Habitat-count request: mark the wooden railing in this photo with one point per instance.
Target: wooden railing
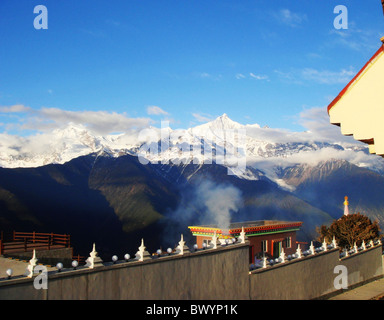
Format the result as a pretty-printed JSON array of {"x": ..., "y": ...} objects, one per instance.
[
  {"x": 47, "y": 238},
  {"x": 26, "y": 241},
  {"x": 80, "y": 259}
]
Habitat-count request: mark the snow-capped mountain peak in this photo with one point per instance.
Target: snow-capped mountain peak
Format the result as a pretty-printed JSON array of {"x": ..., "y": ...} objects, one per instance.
[
  {"x": 220, "y": 123},
  {"x": 59, "y": 146}
]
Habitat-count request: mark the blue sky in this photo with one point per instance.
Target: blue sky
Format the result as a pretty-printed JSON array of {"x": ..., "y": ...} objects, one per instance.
[{"x": 187, "y": 61}]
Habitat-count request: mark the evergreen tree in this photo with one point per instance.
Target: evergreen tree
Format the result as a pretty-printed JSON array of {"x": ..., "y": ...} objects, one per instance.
[{"x": 350, "y": 229}]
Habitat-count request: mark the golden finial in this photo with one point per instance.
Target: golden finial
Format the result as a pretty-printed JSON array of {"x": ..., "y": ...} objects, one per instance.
[{"x": 346, "y": 201}]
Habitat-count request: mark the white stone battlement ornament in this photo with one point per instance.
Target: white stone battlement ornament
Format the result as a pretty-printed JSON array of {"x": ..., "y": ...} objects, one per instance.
[
  {"x": 31, "y": 266},
  {"x": 93, "y": 260}
]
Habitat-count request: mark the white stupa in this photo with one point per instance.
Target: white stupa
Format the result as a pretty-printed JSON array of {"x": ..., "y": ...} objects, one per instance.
[{"x": 346, "y": 203}]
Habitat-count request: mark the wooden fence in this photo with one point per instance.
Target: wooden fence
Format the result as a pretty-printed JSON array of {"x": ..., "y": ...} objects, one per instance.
[{"x": 27, "y": 241}]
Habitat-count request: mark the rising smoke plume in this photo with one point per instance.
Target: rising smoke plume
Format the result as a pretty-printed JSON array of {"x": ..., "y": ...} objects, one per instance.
[
  {"x": 219, "y": 201},
  {"x": 204, "y": 202}
]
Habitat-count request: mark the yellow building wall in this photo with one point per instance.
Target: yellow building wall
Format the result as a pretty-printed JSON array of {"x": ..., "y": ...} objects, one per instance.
[{"x": 360, "y": 110}]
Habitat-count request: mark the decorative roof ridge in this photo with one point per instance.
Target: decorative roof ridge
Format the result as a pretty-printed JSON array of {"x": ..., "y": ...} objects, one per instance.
[{"x": 248, "y": 225}]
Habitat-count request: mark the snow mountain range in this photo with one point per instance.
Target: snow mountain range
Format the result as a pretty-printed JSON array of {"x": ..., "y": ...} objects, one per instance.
[{"x": 265, "y": 149}]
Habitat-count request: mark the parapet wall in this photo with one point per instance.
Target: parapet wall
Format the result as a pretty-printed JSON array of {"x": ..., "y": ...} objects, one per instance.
[
  {"x": 307, "y": 278},
  {"x": 48, "y": 257},
  {"x": 313, "y": 276},
  {"x": 211, "y": 274},
  {"x": 220, "y": 273}
]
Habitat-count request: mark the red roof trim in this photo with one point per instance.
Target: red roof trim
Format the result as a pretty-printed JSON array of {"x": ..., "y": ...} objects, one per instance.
[
  {"x": 353, "y": 80},
  {"x": 247, "y": 229}
]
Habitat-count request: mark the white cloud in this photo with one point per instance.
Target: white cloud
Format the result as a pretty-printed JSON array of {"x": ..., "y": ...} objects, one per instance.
[
  {"x": 251, "y": 75},
  {"x": 155, "y": 110},
  {"x": 207, "y": 76},
  {"x": 204, "y": 75},
  {"x": 314, "y": 55},
  {"x": 288, "y": 76},
  {"x": 316, "y": 128},
  {"x": 329, "y": 77},
  {"x": 290, "y": 18},
  {"x": 258, "y": 77},
  {"x": 17, "y": 108},
  {"x": 316, "y": 121},
  {"x": 45, "y": 119},
  {"x": 354, "y": 38},
  {"x": 202, "y": 117}
]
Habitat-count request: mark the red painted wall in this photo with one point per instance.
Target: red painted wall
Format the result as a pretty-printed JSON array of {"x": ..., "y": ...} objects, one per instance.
[{"x": 255, "y": 243}]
